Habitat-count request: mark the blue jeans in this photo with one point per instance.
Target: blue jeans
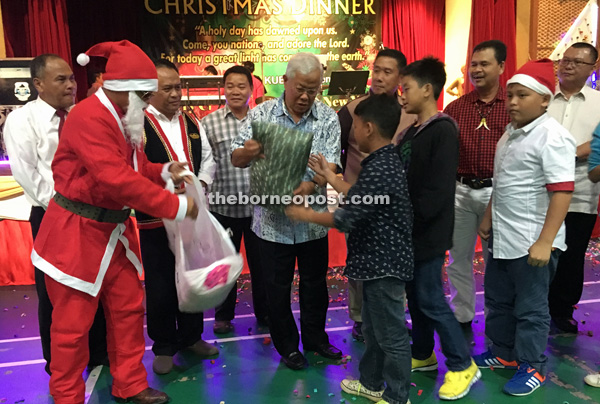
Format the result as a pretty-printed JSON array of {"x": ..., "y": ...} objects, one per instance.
[
  {"x": 386, "y": 362},
  {"x": 430, "y": 311},
  {"x": 518, "y": 319}
]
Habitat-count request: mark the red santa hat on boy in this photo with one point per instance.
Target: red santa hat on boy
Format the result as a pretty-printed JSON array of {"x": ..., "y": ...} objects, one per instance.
[
  {"x": 128, "y": 68},
  {"x": 537, "y": 75}
]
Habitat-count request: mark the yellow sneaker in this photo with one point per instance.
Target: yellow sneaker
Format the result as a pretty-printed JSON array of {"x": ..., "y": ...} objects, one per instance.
[
  {"x": 387, "y": 402},
  {"x": 428, "y": 364},
  {"x": 457, "y": 384}
]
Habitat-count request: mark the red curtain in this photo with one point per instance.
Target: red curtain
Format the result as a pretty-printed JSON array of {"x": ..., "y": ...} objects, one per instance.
[
  {"x": 494, "y": 19},
  {"x": 48, "y": 28},
  {"x": 415, "y": 27},
  {"x": 34, "y": 27}
]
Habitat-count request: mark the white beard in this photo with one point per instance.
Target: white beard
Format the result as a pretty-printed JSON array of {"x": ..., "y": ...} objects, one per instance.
[{"x": 133, "y": 121}]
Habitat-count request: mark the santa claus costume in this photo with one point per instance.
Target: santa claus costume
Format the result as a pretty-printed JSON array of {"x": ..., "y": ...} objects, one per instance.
[{"x": 87, "y": 245}]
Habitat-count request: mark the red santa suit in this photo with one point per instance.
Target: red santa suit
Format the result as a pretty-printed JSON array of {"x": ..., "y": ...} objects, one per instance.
[{"x": 87, "y": 260}]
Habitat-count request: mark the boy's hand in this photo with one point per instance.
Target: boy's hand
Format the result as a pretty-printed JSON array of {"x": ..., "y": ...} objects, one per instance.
[
  {"x": 298, "y": 213},
  {"x": 539, "y": 254},
  {"x": 319, "y": 165},
  {"x": 485, "y": 228}
]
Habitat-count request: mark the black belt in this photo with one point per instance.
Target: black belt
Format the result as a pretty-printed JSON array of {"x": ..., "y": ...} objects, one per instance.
[
  {"x": 92, "y": 212},
  {"x": 475, "y": 183}
]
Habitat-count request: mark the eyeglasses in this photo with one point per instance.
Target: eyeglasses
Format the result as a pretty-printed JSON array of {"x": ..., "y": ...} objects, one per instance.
[
  {"x": 311, "y": 92},
  {"x": 575, "y": 62},
  {"x": 145, "y": 95}
]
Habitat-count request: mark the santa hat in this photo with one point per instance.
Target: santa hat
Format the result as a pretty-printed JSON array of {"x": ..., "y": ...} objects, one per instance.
[
  {"x": 537, "y": 75},
  {"x": 128, "y": 68}
]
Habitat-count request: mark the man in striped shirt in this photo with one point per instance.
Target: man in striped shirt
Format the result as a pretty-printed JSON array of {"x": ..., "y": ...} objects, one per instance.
[{"x": 222, "y": 126}]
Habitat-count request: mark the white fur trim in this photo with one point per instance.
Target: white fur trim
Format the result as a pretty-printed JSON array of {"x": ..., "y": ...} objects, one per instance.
[
  {"x": 182, "y": 210},
  {"x": 131, "y": 85},
  {"x": 87, "y": 287},
  {"x": 106, "y": 102},
  {"x": 83, "y": 59},
  {"x": 529, "y": 82},
  {"x": 76, "y": 283}
]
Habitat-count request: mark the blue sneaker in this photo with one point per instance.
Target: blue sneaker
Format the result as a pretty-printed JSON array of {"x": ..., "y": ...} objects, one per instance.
[
  {"x": 488, "y": 360},
  {"x": 524, "y": 382}
]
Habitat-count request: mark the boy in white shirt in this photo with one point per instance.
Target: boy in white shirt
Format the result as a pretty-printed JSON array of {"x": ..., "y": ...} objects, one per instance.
[{"x": 533, "y": 184}]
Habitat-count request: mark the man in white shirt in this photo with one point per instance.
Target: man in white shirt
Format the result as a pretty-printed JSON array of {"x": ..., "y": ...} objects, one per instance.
[
  {"x": 31, "y": 134},
  {"x": 170, "y": 135},
  {"x": 575, "y": 106}
]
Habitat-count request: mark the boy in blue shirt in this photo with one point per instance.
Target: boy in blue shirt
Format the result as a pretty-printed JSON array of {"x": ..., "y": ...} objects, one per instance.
[
  {"x": 379, "y": 249},
  {"x": 534, "y": 174}
]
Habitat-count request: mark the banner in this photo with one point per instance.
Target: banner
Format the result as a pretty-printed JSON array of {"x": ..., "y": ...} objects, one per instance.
[{"x": 194, "y": 34}]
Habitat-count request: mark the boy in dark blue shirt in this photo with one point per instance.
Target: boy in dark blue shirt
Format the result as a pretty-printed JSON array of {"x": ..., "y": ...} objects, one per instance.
[
  {"x": 379, "y": 249},
  {"x": 429, "y": 150}
]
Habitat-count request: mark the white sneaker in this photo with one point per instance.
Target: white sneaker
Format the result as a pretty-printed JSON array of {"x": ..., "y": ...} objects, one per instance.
[
  {"x": 354, "y": 387},
  {"x": 592, "y": 379}
]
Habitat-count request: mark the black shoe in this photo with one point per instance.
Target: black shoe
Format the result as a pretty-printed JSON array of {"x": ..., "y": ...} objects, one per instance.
[
  {"x": 294, "y": 361},
  {"x": 566, "y": 324},
  {"x": 326, "y": 350},
  {"x": 357, "y": 331}
]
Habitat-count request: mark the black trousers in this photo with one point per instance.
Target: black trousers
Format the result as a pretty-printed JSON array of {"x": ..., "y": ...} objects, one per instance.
[
  {"x": 567, "y": 286},
  {"x": 278, "y": 263},
  {"x": 169, "y": 328},
  {"x": 97, "y": 335},
  {"x": 239, "y": 227}
]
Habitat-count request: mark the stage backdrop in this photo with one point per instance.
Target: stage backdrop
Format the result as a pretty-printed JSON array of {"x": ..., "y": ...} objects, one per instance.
[{"x": 223, "y": 33}]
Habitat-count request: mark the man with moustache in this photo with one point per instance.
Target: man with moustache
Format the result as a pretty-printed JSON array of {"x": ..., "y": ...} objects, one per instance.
[
  {"x": 170, "y": 135},
  {"x": 575, "y": 106},
  {"x": 386, "y": 75},
  {"x": 87, "y": 244},
  {"x": 481, "y": 116},
  {"x": 281, "y": 241},
  {"x": 31, "y": 134}
]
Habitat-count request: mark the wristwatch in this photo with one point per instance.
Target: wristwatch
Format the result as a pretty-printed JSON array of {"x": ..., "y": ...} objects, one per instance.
[{"x": 317, "y": 188}]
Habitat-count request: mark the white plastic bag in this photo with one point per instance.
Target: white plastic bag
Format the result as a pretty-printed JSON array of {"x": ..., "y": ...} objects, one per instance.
[{"x": 206, "y": 263}]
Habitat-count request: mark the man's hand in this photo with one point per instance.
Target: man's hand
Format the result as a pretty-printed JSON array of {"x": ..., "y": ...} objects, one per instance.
[
  {"x": 253, "y": 149},
  {"x": 175, "y": 169},
  {"x": 298, "y": 213},
  {"x": 539, "y": 254},
  {"x": 192, "y": 208},
  {"x": 485, "y": 228},
  {"x": 305, "y": 188}
]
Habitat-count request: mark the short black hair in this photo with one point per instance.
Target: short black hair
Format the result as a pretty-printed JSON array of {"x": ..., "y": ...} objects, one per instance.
[
  {"x": 38, "y": 64},
  {"x": 167, "y": 64},
  {"x": 428, "y": 70},
  {"x": 249, "y": 65},
  {"x": 92, "y": 75},
  {"x": 394, "y": 54},
  {"x": 585, "y": 45},
  {"x": 239, "y": 70},
  {"x": 383, "y": 111},
  {"x": 498, "y": 46},
  {"x": 211, "y": 69}
]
